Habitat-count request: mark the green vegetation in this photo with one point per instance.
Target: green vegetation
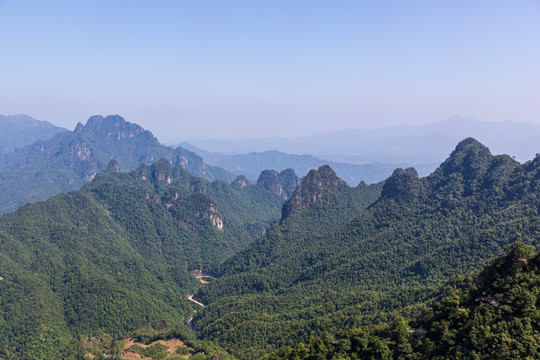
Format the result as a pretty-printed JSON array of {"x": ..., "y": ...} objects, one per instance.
[
  {"x": 491, "y": 315},
  {"x": 71, "y": 159},
  {"x": 155, "y": 352},
  {"x": 316, "y": 273},
  {"x": 114, "y": 257},
  {"x": 189, "y": 346},
  {"x": 344, "y": 273}
]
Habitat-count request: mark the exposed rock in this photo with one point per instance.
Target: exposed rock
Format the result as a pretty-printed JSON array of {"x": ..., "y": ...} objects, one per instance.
[
  {"x": 241, "y": 182},
  {"x": 112, "y": 127}
]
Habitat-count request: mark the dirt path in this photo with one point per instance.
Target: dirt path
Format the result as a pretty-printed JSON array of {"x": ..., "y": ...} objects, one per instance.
[
  {"x": 201, "y": 277},
  {"x": 190, "y": 321},
  {"x": 190, "y": 297}
]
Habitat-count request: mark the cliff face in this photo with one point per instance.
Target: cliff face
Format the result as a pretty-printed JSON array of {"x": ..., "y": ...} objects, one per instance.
[{"x": 112, "y": 127}]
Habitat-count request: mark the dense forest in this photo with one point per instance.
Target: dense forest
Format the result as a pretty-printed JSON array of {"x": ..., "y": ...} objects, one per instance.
[
  {"x": 115, "y": 256},
  {"x": 492, "y": 314},
  {"x": 391, "y": 258},
  {"x": 293, "y": 269}
]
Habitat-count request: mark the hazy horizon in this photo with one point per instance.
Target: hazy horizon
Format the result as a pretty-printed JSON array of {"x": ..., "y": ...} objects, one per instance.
[
  {"x": 191, "y": 70},
  {"x": 284, "y": 136}
]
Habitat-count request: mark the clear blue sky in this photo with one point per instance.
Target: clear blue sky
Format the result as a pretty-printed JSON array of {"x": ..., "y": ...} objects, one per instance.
[{"x": 260, "y": 68}]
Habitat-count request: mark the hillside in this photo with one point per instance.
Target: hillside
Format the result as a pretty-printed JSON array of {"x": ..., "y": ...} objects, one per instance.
[
  {"x": 289, "y": 261},
  {"x": 114, "y": 256},
  {"x": 491, "y": 315},
  {"x": 71, "y": 159},
  {"x": 19, "y": 130},
  {"x": 393, "y": 257}
]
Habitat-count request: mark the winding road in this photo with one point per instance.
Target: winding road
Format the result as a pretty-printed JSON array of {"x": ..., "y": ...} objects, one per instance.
[{"x": 190, "y": 321}]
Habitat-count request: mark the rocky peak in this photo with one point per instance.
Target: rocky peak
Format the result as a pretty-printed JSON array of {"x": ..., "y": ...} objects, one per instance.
[
  {"x": 269, "y": 180},
  {"x": 323, "y": 179},
  {"x": 290, "y": 181},
  {"x": 316, "y": 185},
  {"x": 112, "y": 127},
  {"x": 471, "y": 168},
  {"x": 142, "y": 172}
]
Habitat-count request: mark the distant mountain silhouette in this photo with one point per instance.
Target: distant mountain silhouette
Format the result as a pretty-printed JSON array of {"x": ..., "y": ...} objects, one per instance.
[
  {"x": 253, "y": 163},
  {"x": 409, "y": 144},
  {"x": 20, "y": 130}
]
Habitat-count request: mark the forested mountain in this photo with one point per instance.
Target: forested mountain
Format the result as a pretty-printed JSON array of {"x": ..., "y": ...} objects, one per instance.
[
  {"x": 290, "y": 260},
  {"x": 490, "y": 315},
  {"x": 253, "y": 163},
  {"x": 320, "y": 268},
  {"x": 19, "y": 130},
  {"x": 71, "y": 159},
  {"x": 114, "y": 257}
]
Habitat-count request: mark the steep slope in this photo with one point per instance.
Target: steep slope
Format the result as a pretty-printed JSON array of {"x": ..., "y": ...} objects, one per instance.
[
  {"x": 252, "y": 296},
  {"x": 390, "y": 258},
  {"x": 227, "y": 217},
  {"x": 20, "y": 130},
  {"x": 69, "y": 268},
  {"x": 71, "y": 159},
  {"x": 115, "y": 255},
  {"x": 492, "y": 315}
]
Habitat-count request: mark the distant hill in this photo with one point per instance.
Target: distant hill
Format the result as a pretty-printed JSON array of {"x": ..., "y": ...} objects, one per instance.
[
  {"x": 19, "y": 130},
  {"x": 406, "y": 144},
  {"x": 253, "y": 163},
  {"x": 71, "y": 159}
]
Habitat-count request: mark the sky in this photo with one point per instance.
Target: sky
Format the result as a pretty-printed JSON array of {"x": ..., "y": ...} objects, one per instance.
[{"x": 231, "y": 69}]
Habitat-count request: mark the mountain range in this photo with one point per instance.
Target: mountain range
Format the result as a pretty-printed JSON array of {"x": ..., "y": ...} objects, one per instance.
[
  {"x": 114, "y": 257},
  {"x": 69, "y": 160},
  {"x": 174, "y": 258},
  {"x": 406, "y": 144},
  {"x": 328, "y": 264},
  {"x": 251, "y": 165}
]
